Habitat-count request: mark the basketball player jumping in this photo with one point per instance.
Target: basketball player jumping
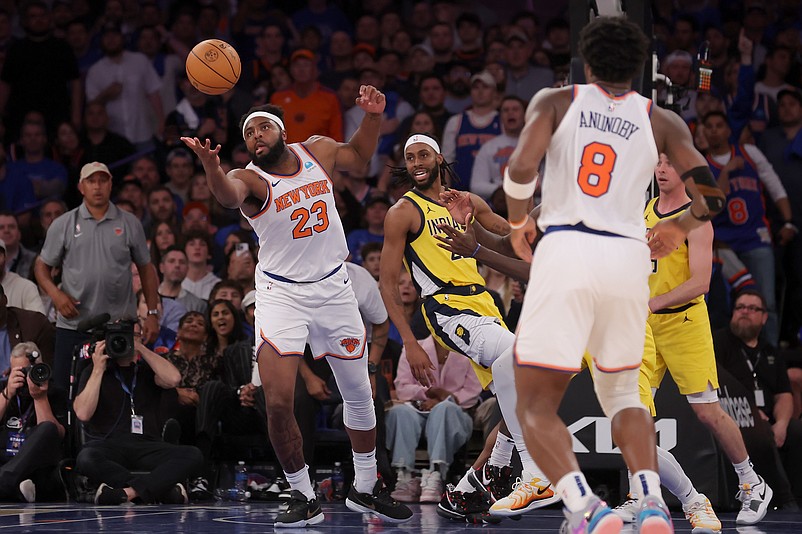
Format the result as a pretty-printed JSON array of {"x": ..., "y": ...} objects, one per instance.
[
  {"x": 303, "y": 290},
  {"x": 589, "y": 284}
]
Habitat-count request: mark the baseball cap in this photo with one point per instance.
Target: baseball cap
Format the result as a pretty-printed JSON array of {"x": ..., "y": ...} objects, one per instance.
[
  {"x": 425, "y": 49},
  {"x": 792, "y": 92},
  {"x": 302, "y": 53},
  {"x": 364, "y": 47},
  {"x": 189, "y": 206},
  {"x": 91, "y": 168},
  {"x": 485, "y": 77},
  {"x": 249, "y": 299},
  {"x": 518, "y": 35}
]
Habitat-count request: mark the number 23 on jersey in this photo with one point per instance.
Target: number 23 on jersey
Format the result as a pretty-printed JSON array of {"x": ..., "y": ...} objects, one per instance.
[{"x": 302, "y": 217}]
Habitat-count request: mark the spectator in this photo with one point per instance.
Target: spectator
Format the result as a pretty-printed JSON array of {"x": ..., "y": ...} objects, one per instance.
[
  {"x": 127, "y": 84},
  {"x": 49, "y": 211},
  {"x": 196, "y": 218},
  {"x": 170, "y": 313},
  {"x": 162, "y": 206},
  {"x": 467, "y": 132},
  {"x": 19, "y": 292},
  {"x": 162, "y": 236},
  {"x": 469, "y": 31},
  {"x": 743, "y": 171},
  {"x": 131, "y": 191},
  {"x": 371, "y": 253},
  {"x": 458, "y": 88},
  {"x": 33, "y": 418},
  {"x": 40, "y": 73},
  {"x": 179, "y": 168},
  {"x": 269, "y": 52},
  {"x": 17, "y": 326},
  {"x": 173, "y": 268},
  {"x": 169, "y": 67},
  {"x": 775, "y": 73},
  {"x": 678, "y": 67},
  {"x": 782, "y": 146},
  {"x": 760, "y": 367},
  {"x": 241, "y": 266},
  {"x": 339, "y": 63},
  {"x": 420, "y": 20},
  {"x": 685, "y": 34},
  {"x": 117, "y": 445},
  {"x": 18, "y": 258},
  {"x": 94, "y": 244},
  {"x": 492, "y": 158},
  {"x": 441, "y": 42},
  {"x": 34, "y": 176},
  {"x": 196, "y": 115},
  {"x": 145, "y": 169},
  {"x": 229, "y": 290},
  {"x": 67, "y": 150},
  {"x": 375, "y": 212},
  {"x": 439, "y": 412},
  {"x": 431, "y": 98},
  {"x": 367, "y": 30},
  {"x": 523, "y": 78},
  {"x": 200, "y": 279},
  {"x": 324, "y": 16},
  {"x": 557, "y": 44},
  {"x": 224, "y": 326},
  {"x": 310, "y": 108},
  {"x": 80, "y": 41}
]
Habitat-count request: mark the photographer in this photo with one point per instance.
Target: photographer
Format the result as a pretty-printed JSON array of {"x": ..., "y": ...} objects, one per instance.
[
  {"x": 118, "y": 402},
  {"x": 31, "y": 415}
]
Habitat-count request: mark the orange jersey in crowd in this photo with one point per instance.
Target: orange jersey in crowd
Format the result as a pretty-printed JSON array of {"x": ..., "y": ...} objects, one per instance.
[{"x": 317, "y": 114}]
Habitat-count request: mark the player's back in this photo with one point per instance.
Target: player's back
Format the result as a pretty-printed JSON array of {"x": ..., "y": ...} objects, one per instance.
[
  {"x": 301, "y": 237},
  {"x": 599, "y": 163}
]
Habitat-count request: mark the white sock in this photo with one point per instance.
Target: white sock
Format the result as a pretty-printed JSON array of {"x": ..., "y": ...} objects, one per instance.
[
  {"x": 464, "y": 485},
  {"x": 574, "y": 491},
  {"x": 674, "y": 478},
  {"x": 364, "y": 471},
  {"x": 502, "y": 451},
  {"x": 647, "y": 482},
  {"x": 746, "y": 472},
  {"x": 530, "y": 466},
  {"x": 300, "y": 481}
]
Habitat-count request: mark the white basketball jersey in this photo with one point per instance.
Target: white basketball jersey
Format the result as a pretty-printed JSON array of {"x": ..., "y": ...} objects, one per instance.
[
  {"x": 599, "y": 164},
  {"x": 301, "y": 236}
]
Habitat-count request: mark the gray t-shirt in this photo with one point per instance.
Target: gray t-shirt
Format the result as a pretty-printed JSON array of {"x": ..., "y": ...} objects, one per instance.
[{"x": 95, "y": 257}]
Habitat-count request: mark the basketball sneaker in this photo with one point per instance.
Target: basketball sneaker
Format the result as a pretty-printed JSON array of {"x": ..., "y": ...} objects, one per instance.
[
  {"x": 595, "y": 518},
  {"x": 300, "y": 512},
  {"x": 469, "y": 507},
  {"x": 653, "y": 516},
  {"x": 528, "y": 493},
  {"x": 379, "y": 503},
  {"x": 754, "y": 502},
  {"x": 628, "y": 510},
  {"x": 702, "y": 517},
  {"x": 494, "y": 482}
]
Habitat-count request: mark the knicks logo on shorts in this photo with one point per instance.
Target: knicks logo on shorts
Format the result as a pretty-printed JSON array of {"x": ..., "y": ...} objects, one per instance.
[{"x": 350, "y": 343}]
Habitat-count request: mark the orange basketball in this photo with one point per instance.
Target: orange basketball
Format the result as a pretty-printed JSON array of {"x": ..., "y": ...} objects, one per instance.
[{"x": 213, "y": 66}]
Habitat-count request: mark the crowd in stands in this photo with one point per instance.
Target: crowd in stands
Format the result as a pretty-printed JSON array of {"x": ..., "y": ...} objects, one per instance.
[{"x": 94, "y": 96}]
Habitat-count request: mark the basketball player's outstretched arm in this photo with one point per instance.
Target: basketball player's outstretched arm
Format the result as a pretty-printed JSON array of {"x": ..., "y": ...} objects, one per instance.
[
  {"x": 674, "y": 139},
  {"x": 230, "y": 190}
]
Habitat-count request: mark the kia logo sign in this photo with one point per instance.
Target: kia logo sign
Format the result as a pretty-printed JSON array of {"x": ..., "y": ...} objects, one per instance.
[{"x": 666, "y": 435}]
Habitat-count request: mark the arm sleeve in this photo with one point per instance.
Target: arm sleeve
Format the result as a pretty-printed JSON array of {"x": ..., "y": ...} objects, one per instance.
[{"x": 771, "y": 181}]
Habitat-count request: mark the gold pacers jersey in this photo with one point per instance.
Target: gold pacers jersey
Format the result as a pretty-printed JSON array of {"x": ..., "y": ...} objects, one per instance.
[
  {"x": 674, "y": 269},
  {"x": 431, "y": 267}
]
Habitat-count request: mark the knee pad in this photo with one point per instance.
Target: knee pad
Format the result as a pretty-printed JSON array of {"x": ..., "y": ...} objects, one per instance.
[
  {"x": 359, "y": 414},
  {"x": 617, "y": 391}
]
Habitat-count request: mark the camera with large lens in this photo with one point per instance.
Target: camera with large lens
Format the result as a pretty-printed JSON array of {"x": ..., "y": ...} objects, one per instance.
[
  {"x": 119, "y": 336},
  {"x": 38, "y": 372}
]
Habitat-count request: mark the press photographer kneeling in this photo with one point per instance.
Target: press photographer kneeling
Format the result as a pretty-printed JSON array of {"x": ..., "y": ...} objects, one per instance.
[
  {"x": 31, "y": 429},
  {"x": 118, "y": 403}
]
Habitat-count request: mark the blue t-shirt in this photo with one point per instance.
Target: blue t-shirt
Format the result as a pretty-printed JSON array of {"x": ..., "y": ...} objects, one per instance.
[
  {"x": 359, "y": 238},
  {"x": 21, "y": 175}
]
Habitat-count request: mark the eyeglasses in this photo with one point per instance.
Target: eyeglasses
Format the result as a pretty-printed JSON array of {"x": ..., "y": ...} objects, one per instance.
[{"x": 750, "y": 309}]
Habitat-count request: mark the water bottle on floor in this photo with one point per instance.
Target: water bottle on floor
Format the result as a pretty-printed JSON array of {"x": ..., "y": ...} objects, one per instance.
[
  {"x": 338, "y": 482},
  {"x": 239, "y": 492}
]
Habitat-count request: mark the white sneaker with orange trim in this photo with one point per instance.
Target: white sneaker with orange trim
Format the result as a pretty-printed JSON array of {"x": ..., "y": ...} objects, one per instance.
[
  {"x": 702, "y": 517},
  {"x": 528, "y": 493}
]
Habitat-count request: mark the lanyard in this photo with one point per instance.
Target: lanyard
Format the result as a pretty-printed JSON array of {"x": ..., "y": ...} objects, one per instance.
[
  {"x": 23, "y": 417},
  {"x": 130, "y": 392},
  {"x": 753, "y": 368}
]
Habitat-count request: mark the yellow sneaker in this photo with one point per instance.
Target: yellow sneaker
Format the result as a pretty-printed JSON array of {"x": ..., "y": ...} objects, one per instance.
[
  {"x": 702, "y": 517},
  {"x": 528, "y": 493}
]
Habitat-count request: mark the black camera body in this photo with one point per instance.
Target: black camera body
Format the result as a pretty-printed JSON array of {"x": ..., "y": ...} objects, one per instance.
[
  {"x": 38, "y": 372},
  {"x": 119, "y": 338}
]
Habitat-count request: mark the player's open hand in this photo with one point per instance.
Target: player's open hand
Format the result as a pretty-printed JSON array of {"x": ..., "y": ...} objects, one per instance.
[
  {"x": 521, "y": 239},
  {"x": 458, "y": 203},
  {"x": 370, "y": 99},
  {"x": 665, "y": 237},
  {"x": 460, "y": 243},
  {"x": 420, "y": 364},
  {"x": 206, "y": 154}
]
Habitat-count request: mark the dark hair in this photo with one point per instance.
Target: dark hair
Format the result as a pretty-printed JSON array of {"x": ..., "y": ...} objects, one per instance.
[
  {"x": 690, "y": 20},
  {"x": 400, "y": 174},
  {"x": 750, "y": 291},
  {"x": 197, "y": 234},
  {"x": 369, "y": 248},
  {"x": 514, "y": 98},
  {"x": 173, "y": 248},
  {"x": 159, "y": 188},
  {"x": 270, "y": 108},
  {"x": 236, "y": 334},
  {"x": 189, "y": 314},
  {"x": 716, "y": 113},
  {"x": 614, "y": 48},
  {"x": 225, "y": 284}
]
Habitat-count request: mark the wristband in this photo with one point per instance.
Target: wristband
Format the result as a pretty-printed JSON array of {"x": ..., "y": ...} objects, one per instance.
[
  {"x": 153, "y": 312},
  {"x": 520, "y": 224},
  {"x": 473, "y": 254},
  {"x": 517, "y": 190}
]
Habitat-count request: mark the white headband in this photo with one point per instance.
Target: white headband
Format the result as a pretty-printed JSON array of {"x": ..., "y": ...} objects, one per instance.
[
  {"x": 425, "y": 139},
  {"x": 264, "y": 114}
]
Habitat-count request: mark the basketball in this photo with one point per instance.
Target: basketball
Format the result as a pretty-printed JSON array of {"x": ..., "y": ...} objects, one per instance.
[{"x": 213, "y": 67}]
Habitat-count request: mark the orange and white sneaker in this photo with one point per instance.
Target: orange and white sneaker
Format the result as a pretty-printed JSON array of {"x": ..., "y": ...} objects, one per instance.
[
  {"x": 528, "y": 493},
  {"x": 702, "y": 517}
]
